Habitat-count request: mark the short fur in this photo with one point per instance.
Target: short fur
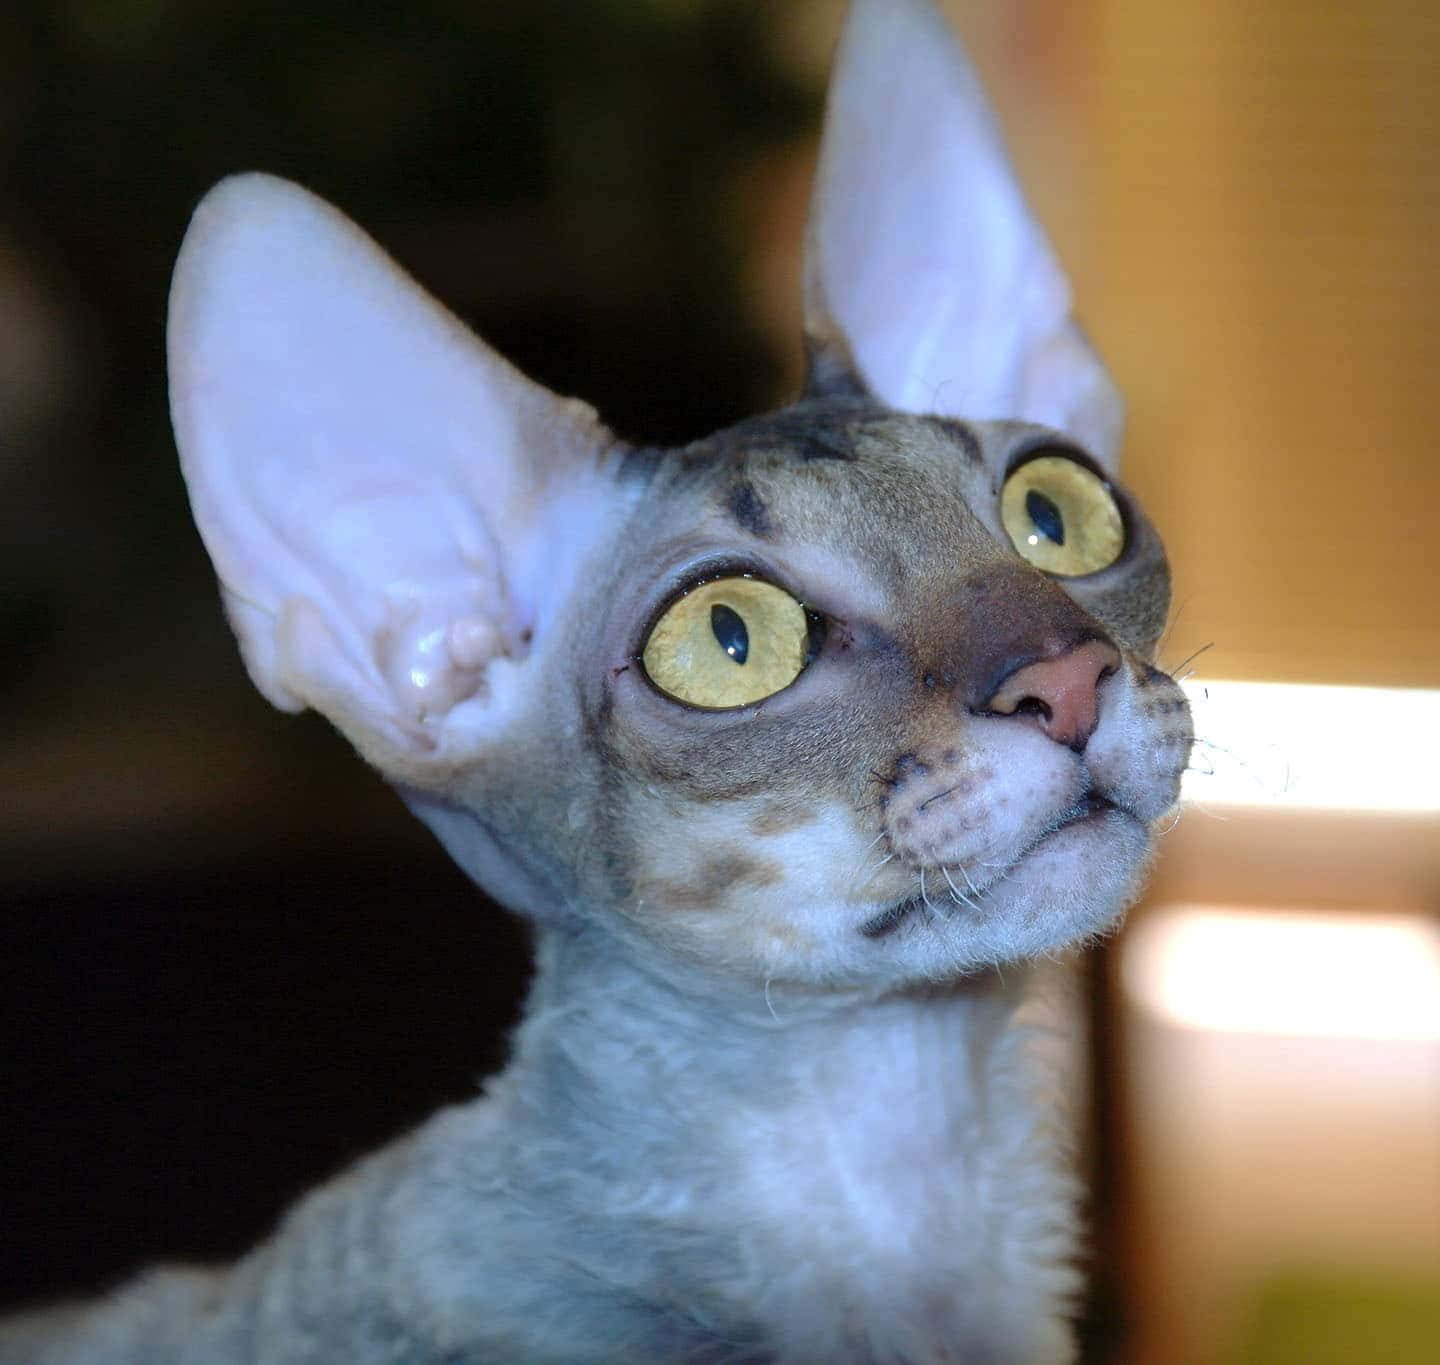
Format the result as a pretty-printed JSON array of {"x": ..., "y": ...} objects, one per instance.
[{"x": 770, "y": 1099}]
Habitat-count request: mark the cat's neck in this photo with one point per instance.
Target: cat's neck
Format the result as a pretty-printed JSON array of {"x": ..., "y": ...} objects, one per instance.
[
  {"x": 629, "y": 1030},
  {"x": 835, "y": 1148},
  {"x": 624, "y": 986}
]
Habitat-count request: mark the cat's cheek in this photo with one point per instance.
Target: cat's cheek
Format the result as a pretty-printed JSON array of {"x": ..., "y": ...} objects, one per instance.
[{"x": 769, "y": 903}]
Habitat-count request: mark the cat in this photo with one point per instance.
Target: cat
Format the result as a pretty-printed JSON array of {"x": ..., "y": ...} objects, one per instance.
[{"x": 783, "y": 741}]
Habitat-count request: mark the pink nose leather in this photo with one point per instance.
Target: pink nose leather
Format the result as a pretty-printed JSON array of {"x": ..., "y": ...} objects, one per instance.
[{"x": 1061, "y": 693}]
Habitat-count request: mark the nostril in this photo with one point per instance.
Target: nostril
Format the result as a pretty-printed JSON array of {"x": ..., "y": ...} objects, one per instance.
[
  {"x": 1033, "y": 706},
  {"x": 1060, "y": 693}
]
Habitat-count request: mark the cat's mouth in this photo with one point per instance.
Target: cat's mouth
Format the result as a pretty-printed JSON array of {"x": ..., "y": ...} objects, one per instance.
[{"x": 1090, "y": 809}]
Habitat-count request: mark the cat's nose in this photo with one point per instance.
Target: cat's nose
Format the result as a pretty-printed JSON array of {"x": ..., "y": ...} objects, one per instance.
[{"x": 1061, "y": 693}]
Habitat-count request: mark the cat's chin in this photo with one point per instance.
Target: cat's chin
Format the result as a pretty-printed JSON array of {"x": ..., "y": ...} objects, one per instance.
[{"x": 1072, "y": 883}]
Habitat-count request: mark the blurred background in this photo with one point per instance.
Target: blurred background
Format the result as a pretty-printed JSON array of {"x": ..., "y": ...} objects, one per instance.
[{"x": 229, "y": 961}]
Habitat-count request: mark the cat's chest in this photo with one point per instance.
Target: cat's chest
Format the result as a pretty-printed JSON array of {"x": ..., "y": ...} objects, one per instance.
[{"x": 898, "y": 1202}]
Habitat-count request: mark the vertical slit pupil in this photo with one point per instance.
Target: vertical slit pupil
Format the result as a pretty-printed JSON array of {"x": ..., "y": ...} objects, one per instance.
[
  {"x": 1045, "y": 516},
  {"x": 730, "y": 631}
]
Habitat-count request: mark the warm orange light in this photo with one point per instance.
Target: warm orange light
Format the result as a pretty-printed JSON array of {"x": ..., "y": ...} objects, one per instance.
[{"x": 1273, "y": 972}]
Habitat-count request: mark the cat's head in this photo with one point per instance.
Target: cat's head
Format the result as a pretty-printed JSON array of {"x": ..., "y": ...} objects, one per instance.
[{"x": 855, "y": 692}]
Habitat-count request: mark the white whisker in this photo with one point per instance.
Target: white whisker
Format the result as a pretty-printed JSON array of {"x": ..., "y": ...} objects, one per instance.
[
  {"x": 865, "y": 853},
  {"x": 768, "y": 1005},
  {"x": 870, "y": 875},
  {"x": 1179, "y": 811},
  {"x": 959, "y": 896},
  {"x": 1207, "y": 810}
]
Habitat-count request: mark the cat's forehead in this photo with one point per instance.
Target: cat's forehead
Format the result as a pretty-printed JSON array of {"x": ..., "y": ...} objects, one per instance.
[
  {"x": 840, "y": 443},
  {"x": 842, "y": 466}
]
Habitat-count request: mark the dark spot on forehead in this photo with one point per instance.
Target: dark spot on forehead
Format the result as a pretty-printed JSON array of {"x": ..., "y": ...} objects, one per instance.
[
  {"x": 749, "y": 510},
  {"x": 812, "y": 429},
  {"x": 960, "y": 434},
  {"x": 824, "y": 441}
]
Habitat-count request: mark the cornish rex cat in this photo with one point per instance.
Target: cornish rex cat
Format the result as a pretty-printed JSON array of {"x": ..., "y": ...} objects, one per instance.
[{"x": 783, "y": 741}]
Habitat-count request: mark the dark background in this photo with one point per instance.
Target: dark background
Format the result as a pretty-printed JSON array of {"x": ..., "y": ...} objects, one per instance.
[{"x": 229, "y": 960}]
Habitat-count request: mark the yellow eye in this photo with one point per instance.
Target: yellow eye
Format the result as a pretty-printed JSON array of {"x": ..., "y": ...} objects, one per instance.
[
  {"x": 729, "y": 642},
  {"x": 1061, "y": 517}
]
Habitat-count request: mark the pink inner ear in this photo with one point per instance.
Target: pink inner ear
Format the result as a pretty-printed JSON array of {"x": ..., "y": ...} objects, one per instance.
[
  {"x": 360, "y": 463},
  {"x": 921, "y": 248}
]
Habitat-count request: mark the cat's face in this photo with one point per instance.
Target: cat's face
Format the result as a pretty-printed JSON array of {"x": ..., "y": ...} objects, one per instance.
[
  {"x": 874, "y": 817},
  {"x": 845, "y": 694}
]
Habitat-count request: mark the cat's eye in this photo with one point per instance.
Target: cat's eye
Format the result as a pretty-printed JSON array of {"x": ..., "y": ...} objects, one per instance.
[
  {"x": 730, "y": 642},
  {"x": 1062, "y": 517}
]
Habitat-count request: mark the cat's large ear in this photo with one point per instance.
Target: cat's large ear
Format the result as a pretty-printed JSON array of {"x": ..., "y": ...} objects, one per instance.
[
  {"x": 394, "y": 512},
  {"x": 927, "y": 279}
]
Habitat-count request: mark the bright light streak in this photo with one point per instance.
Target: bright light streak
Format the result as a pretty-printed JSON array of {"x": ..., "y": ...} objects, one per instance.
[
  {"x": 1295, "y": 746},
  {"x": 1273, "y": 972}
]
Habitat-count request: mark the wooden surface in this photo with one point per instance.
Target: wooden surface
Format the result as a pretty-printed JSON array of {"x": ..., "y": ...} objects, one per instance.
[
  {"x": 1247, "y": 198},
  {"x": 1264, "y": 279}
]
